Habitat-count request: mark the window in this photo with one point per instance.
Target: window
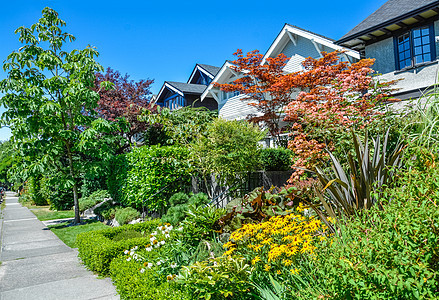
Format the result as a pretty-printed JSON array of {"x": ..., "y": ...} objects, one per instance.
[{"x": 415, "y": 47}]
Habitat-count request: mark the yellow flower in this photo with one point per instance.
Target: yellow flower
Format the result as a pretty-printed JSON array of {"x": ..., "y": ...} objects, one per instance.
[
  {"x": 278, "y": 272},
  {"x": 295, "y": 271},
  {"x": 255, "y": 260},
  {"x": 288, "y": 262},
  {"x": 230, "y": 251},
  {"x": 267, "y": 268}
]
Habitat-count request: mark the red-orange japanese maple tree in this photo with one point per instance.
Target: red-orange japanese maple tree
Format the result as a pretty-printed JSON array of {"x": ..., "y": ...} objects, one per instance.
[
  {"x": 127, "y": 99},
  {"x": 325, "y": 97},
  {"x": 259, "y": 83}
]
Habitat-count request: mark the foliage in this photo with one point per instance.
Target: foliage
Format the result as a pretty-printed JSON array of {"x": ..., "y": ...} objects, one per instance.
[
  {"x": 222, "y": 277},
  {"x": 423, "y": 124},
  {"x": 181, "y": 127},
  {"x": 277, "y": 245},
  {"x": 32, "y": 191},
  {"x": 7, "y": 160},
  {"x": 229, "y": 149},
  {"x": 148, "y": 176},
  {"x": 50, "y": 103},
  {"x": 67, "y": 233},
  {"x": 131, "y": 284},
  {"x": 97, "y": 248},
  {"x": 275, "y": 159},
  {"x": 106, "y": 210},
  {"x": 95, "y": 198},
  {"x": 199, "y": 224},
  {"x": 369, "y": 174},
  {"x": 320, "y": 101},
  {"x": 126, "y": 235},
  {"x": 126, "y": 100},
  {"x": 125, "y": 215},
  {"x": 257, "y": 206},
  {"x": 179, "y": 205}
]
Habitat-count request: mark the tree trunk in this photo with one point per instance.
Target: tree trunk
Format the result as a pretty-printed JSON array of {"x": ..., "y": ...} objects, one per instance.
[
  {"x": 75, "y": 185},
  {"x": 76, "y": 203}
]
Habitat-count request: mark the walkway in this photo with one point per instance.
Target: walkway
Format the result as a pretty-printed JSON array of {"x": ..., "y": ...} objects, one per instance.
[{"x": 35, "y": 264}]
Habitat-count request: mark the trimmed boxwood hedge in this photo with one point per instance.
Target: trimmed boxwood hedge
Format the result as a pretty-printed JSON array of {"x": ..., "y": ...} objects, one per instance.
[
  {"x": 131, "y": 284},
  {"x": 97, "y": 248}
]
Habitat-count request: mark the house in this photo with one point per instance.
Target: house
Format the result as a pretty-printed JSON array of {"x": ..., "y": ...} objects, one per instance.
[
  {"x": 297, "y": 44},
  {"x": 175, "y": 95},
  {"x": 401, "y": 36}
]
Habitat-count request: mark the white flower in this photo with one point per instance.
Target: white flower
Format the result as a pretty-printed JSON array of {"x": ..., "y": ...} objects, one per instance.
[
  {"x": 162, "y": 242},
  {"x": 129, "y": 258},
  {"x": 149, "y": 249},
  {"x": 126, "y": 252},
  {"x": 159, "y": 263},
  {"x": 170, "y": 228},
  {"x": 135, "y": 248},
  {"x": 150, "y": 265},
  {"x": 135, "y": 256},
  {"x": 180, "y": 229},
  {"x": 154, "y": 233},
  {"x": 142, "y": 270},
  {"x": 132, "y": 253},
  {"x": 167, "y": 236},
  {"x": 174, "y": 265},
  {"x": 152, "y": 239}
]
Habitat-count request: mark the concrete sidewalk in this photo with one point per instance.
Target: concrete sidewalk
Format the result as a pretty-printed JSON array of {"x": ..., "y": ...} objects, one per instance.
[{"x": 37, "y": 265}]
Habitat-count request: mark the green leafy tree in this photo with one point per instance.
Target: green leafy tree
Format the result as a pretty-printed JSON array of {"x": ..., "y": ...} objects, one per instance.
[
  {"x": 50, "y": 103},
  {"x": 228, "y": 148}
]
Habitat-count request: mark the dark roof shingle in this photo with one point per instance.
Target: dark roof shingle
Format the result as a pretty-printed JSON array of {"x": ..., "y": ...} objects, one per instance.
[
  {"x": 211, "y": 69},
  {"x": 390, "y": 12},
  {"x": 188, "y": 87}
]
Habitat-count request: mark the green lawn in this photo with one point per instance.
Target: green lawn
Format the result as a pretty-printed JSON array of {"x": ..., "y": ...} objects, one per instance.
[
  {"x": 43, "y": 213},
  {"x": 68, "y": 232}
]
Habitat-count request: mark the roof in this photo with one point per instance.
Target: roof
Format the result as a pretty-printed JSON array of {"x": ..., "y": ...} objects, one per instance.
[
  {"x": 211, "y": 69},
  {"x": 389, "y": 13},
  {"x": 322, "y": 36},
  {"x": 187, "y": 87},
  {"x": 285, "y": 35}
]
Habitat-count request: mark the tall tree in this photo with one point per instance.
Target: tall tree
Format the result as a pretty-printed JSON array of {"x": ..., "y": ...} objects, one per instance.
[
  {"x": 126, "y": 100},
  {"x": 49, "y": 101}
]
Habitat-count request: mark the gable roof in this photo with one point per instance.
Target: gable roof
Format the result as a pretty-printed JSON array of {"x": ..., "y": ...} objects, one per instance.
[
  {"x": 391, "y": 12},
  {"x": 289, "y": 31},
  {"x": 211, "y": 69},
  {"x": 187, "y": 88}
]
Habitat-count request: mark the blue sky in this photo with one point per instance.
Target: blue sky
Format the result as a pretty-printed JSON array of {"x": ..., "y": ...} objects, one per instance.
[{"x": 163, "y": 40}]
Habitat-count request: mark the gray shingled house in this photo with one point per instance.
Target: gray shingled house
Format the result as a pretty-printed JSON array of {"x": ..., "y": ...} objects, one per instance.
[
  {"x": 401, "y": 36},
  {"x": 175, "y": 95}
]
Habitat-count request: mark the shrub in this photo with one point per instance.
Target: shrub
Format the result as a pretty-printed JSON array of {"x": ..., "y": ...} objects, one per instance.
[
  {"x": 126, "y": 235},
  {"x": 107, "y": 210},
  {"x": 138, "y": 177},
  {"x": 95, "y": 198},
  {"x": 275, "y": 159},
  {"x": 223, "y": 277},
  {"x": 132, "y": 284},
  {"x": 97, "y": 248},
  {"x": 179, "y": 206},
  {"x": 125, "y": 215}
]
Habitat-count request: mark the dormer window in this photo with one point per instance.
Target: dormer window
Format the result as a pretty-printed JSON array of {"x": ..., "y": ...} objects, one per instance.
[{"x": 415, "y": 47}]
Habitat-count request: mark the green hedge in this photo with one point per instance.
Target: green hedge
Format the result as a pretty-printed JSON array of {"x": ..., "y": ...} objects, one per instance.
[
  {"x": 131, "y": 284},
  {"x": 97, "y": 248},
  {"x": 137, "y": 176}
]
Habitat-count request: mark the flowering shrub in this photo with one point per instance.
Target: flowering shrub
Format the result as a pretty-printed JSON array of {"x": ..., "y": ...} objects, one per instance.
[{"x": 277, "y": 245}]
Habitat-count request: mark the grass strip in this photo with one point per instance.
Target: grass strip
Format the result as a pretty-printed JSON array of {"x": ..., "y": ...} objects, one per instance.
[
  {"x": 67, "y": 232},
  {"x": 43, "y": 213}
]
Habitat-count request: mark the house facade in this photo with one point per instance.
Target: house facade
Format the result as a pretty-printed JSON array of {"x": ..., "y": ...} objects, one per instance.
[
  {"x": 295, "y": 43},
  {"x": 402, "y": 36},
  {"x": 175, "y": 95}
]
